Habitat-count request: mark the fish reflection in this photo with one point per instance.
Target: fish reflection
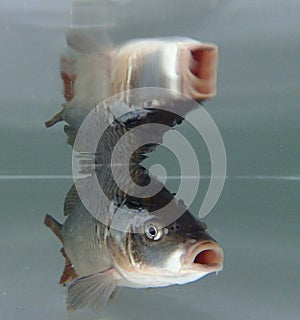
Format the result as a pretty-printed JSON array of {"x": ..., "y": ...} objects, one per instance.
[{"x": 126, "y": 236}]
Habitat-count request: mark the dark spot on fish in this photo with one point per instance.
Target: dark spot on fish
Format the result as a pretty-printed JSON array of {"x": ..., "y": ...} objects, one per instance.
[{"x": 175, "y": 226}]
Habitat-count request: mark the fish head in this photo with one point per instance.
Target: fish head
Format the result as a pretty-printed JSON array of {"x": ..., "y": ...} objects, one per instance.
[{"x": 149, "y": 254}]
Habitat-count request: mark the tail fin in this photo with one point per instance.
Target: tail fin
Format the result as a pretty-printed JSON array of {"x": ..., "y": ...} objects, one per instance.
[{"x": 54, "y": 225}]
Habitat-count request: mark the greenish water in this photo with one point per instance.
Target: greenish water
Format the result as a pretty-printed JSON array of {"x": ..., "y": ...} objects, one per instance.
[
  {"x": 259, "y": 233},
  {"x": 257, "y": 218}
]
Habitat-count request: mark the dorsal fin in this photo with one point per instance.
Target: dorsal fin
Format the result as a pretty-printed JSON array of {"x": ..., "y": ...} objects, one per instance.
[
  {"x": 70, "y": 200},
  {"x": 69, "y": 273}
]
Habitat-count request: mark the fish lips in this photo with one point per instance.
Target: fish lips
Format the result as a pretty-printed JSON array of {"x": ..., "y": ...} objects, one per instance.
[{"x": 205, "y": 256}]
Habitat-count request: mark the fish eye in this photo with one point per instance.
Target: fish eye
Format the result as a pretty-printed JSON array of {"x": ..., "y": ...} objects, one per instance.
[{"x": 152, "y": 232}]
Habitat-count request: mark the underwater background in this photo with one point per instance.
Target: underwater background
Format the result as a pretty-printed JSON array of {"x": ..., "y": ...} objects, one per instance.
[{"x": 257, "y": 218}]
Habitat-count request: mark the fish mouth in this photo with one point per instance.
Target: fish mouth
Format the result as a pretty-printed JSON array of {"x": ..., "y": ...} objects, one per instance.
[{"x": 206, "y": 256}]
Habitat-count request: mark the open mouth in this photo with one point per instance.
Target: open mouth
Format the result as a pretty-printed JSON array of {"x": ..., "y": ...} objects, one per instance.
[
  {"x": 203, "y": 66},
  {"x": 208, "y": 255}
]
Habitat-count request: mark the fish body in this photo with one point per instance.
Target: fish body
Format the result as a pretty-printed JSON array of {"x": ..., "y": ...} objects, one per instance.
[
  {"x": 101, "y": 258},
  {"x": 140, "y": 242},
  {"x": 93, "y": 72}
]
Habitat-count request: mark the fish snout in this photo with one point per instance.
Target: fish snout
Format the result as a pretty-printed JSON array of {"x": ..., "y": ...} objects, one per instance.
[{"x": 205, "y": 256}]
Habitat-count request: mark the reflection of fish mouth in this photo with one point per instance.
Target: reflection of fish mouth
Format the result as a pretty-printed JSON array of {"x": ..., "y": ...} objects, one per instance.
[{"x": 206, "y": 256}]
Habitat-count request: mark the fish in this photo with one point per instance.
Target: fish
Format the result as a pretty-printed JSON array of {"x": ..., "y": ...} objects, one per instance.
[
  {"x": 140, "y": 240},
  {"x": 129, "y": 237},
  {"x": 94, "y": 70},
  {"x": 100, "y": 258}
]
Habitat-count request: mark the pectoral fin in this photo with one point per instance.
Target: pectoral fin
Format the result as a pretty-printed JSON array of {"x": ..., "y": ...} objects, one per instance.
[
  {"x": 58, "y": 117},
  {"x": 54, "y": 225},
  {"x": 114, "y": 295},
  {"x": 69, "y": 273},
  {"x": 93, "y": 291}
]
